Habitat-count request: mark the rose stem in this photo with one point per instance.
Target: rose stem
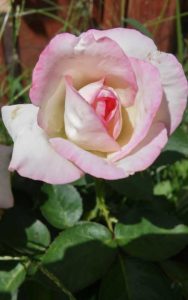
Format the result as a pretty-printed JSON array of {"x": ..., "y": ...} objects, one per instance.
[{"x": 101, "y": 208}]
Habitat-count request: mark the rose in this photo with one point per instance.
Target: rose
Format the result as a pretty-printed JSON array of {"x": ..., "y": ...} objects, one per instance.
[{"x": 103, "y": 103}]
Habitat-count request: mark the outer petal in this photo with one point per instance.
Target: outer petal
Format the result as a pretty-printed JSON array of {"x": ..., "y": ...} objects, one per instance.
[
  {"x": 48, "y": 71},
  {"x": 85, "y": 60},
  {"x": 146, "y": 105},
  {"x": 6, "y": 197},
  {"x": 87, "y": 161},
  {"x": 175, "y": 88},
  {"x": 16, "y": 117},
  {"x": 140, "y": 159},
  {"x": 83, "y": 126},
  {"x": 33, "y": 156},
  {"x": 146, "y": 152},
  {"x": 133, "y": 43}
]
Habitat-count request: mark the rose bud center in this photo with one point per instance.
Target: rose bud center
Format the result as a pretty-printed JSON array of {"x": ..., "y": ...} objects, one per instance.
[
  {"x": 107, "y": 107},
  {"x": 104, "y": 106}
]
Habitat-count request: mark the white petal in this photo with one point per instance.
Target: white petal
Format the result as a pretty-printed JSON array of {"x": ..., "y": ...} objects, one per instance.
[{"x": 33, "y": 156}]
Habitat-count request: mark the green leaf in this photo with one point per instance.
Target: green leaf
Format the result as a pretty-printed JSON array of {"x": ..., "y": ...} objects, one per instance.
[
  {"x": 149, "y": 241},
  {"x": 167, "y": 158},
  {"x": 32, "y": 290},
  {"x": 178, "y": 272},
  {"x": 137, "y": 25},
  {"x": 9, "y": 296},
  {"x": 89, "y": 293},
  {"x": 63, "y": 207},
  {"x": 133, "y": 279},
  {"x": 22, "y": 231},
  {"x": 80, "y": 255},
  {"x": 80, "y": 182},
  {"x": 163, "y": 188},
  {"x": 175, "y": 150},
  {"x": 178, "y": 142},
  {"x": 12, "y": 275},
  {"x": 138, "y": 186}
]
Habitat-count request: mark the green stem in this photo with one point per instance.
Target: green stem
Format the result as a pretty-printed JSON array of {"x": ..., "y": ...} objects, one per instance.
[
  {"x": 69, "y": 13},
  {"x": 101, "y": 209},
  {"x": 179, "y": 32},
  {"x": 167, "y": 19},
  {"x": 14, "y": 258},
  {"x": 161, "y": 16},
  {"x": 101, "y": 204}
]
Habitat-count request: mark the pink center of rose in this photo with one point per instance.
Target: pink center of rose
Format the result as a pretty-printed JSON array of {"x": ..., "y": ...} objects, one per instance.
[{"x": 104, "y": 107}]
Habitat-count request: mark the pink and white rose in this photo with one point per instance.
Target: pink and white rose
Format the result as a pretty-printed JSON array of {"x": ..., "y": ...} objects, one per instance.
[{"x": 103, "y": 103}]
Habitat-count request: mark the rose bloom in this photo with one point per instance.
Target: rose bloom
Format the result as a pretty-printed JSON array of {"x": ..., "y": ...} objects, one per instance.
[{"x": 103, "y": 103}]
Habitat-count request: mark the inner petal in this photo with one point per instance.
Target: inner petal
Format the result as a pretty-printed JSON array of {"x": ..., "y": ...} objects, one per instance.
[
  {"x": 83, "y": 126},
  {"x": 107, "y": 107},
  {"x": 104, "y": 106}
]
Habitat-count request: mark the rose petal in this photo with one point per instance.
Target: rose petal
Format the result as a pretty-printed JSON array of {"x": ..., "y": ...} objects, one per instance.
[
  {"x": 49, "y": 70},
  {"x": 146, "y": 105},
  {"x": 83, "y": 126},
  {"x": 16, "y": 117},
  {"x": 6, "y": 197},
  {"x": 175, "y": 88},
  {"x": 91, "y": 90},
  {"x": 146, "y": 152},
  {"x": 85, "y": 60},
  {"x": 133, "y": 43},
  {"x": 107, "y": 105},
  {"x": 33, "y": 156},
  {"x": 50, "y": 117},
  {"x": 86, "y": 161},
  {"x": 80, "y": 57},
  {"x": 140, "y": 159}
]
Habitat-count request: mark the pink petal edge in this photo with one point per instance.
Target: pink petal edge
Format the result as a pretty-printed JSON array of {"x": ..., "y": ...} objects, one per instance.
[
  {"x": 86, "y": 161},
  {"x": 144, "y": 155}
]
